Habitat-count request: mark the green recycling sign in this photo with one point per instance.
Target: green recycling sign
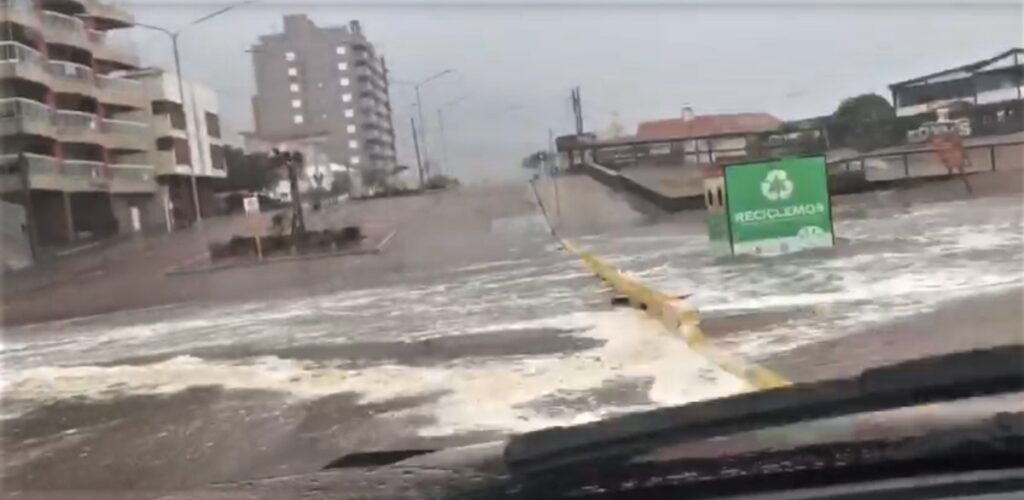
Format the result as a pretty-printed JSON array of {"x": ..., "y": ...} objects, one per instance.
[{"x": 777, "y": 207}]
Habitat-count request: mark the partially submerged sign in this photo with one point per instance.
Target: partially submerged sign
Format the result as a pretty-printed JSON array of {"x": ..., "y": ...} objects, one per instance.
[
  {"x": 251, "y": 205},
  {"x": 769, "y": 207}
]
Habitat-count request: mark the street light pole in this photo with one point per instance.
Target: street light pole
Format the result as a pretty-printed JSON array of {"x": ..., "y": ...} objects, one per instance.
[
  {"x": 416, "y": 145},
  {"x": 444, "y": 145},
  {"x": 181, "y": 96},
  {"x": 174, "y": 35},
  {"x": 423, "y": 132},
  {"x": 419, "y": 111},
  {"x": 440, "y": 126}
]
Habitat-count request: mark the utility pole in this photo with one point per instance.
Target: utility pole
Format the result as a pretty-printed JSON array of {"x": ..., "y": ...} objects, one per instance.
[
  {"x": 577, "y": 110},
  {"x": 416, "y": 145},
  {"x": 553, "y": 159},
  {"x": 173, "y": 35},
  {"x": 419, "y": 113},
  {"x": 290, "y": 161},
  {"x": 195, "y": 119},
  {"x": 444, "y": 145}
]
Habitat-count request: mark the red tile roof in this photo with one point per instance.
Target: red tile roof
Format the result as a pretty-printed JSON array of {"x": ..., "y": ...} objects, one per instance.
[{"x": 707, "y": 125}]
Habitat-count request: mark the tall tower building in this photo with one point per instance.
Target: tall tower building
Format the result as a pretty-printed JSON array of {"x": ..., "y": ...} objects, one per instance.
[{"x": 324, "y": 82}]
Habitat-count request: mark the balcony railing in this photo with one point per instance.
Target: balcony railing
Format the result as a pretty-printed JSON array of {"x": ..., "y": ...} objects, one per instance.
[
  {"x": 121, "y": 84},
  {"x": 75, "y": 119},
  {"x": 109, "y": 10},
  {"x": 70, "y": 70},
  {"x": 125, "y": 127},
  {"x": 131, "y": 172},
  {"x": 19, "y": 108},
  {"x": 67, "y": 28},
  {"x": 16, "y": 52},
  {"x": 84, "y": 168},
  {"x": 107, "y": 47},
  {"x": 37, "y": 164},
  {"x": 19, "y": 5}
]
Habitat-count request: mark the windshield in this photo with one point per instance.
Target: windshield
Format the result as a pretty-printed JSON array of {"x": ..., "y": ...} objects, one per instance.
[{"x": 243, "y": 239}]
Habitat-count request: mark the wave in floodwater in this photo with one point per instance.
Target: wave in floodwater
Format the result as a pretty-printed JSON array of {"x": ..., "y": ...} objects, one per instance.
[
  {"x": 886, "y": 266},
  {"x": 475, "y": 394}
]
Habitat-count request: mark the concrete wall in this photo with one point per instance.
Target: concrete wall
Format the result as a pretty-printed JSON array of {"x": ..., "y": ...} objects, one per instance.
[
  {"x": 14, "y": 242},
  {"x": 51, "y": 217},
  {"x": 151, "y": 212}
]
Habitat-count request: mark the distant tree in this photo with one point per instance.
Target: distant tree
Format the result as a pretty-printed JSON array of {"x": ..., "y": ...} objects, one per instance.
[
  {"x": 248, "y": 171},
  {"x": 535, "y": 160},
  {"x": 376, "y": 178},
  {"x": 341, "y": 183},
  {"x": 440, "y": 181},
  {"x": 864, "y": 122}
]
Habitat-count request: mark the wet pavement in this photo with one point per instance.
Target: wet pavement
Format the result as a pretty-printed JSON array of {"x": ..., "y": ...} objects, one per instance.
[
  {"x": 915, "y": 271},
  {"x": 472, "y": 325}
]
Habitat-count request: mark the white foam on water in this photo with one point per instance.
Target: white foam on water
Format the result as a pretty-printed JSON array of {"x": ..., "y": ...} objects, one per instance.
[
  {"x": 499, "y": 394},
  {"x": 893, "y": 264}
]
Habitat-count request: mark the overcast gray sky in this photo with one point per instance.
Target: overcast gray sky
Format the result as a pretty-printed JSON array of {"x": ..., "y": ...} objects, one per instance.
[{"x": 516, "y": 61}]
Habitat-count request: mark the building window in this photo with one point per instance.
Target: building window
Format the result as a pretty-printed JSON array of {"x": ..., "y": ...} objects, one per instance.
[
  {"x": 289, "y": 56},
  {"x": 342, "y": 66},
  {"x": 182, "y": 151},
  {"x": 212, "y": 125},
  {"x": 340, "y": 50},
  {"x": 293, "y": 87},
  {"x": 346, "y": 97},
  {"x": 349, "y": 113},
  {"x": 298, "y": 119},
  {"x": 345, "y": 82},
  {"x": 351, "y": 129},
  {"x": 353, "y": 144},
  {"x": 217, "y": 157},
  {"x": 354, "y": 160},
  {"x": 296, "y": 103},
  {"x": 293, "y": 71}
]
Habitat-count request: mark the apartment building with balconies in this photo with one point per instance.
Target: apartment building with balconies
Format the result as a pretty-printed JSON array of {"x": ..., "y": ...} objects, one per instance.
[
  {"x": 314, "y": 82},
  {"x": 72, "y": 118},
  {"x": 186, "y": 142}
]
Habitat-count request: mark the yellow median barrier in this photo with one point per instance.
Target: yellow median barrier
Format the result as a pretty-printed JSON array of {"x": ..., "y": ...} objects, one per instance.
[{"x": 678, "y": 316}]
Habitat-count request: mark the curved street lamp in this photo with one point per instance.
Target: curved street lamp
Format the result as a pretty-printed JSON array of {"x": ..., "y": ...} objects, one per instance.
[{"x": 174, "y": 35}]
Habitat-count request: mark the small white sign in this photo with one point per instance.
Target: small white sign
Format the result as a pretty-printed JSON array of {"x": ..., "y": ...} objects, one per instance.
[{"x": 252, "y": 205}]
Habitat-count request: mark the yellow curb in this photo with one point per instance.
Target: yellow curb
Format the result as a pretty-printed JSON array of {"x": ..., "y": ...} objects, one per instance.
[{"x": 678, "y": 316}]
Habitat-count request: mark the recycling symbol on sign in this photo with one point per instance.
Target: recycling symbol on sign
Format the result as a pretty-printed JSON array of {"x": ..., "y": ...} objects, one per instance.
[{"x": 777, "y": 186}]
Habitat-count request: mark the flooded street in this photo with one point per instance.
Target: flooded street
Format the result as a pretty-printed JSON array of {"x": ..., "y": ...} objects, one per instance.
[{"x": 467, "y": 348}]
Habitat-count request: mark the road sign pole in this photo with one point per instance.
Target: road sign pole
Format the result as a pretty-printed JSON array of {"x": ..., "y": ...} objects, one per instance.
[{"x": 251, "y": 205}]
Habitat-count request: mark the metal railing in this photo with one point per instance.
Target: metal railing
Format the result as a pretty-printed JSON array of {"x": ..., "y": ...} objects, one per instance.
[{"x": 857, "y": 163}]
